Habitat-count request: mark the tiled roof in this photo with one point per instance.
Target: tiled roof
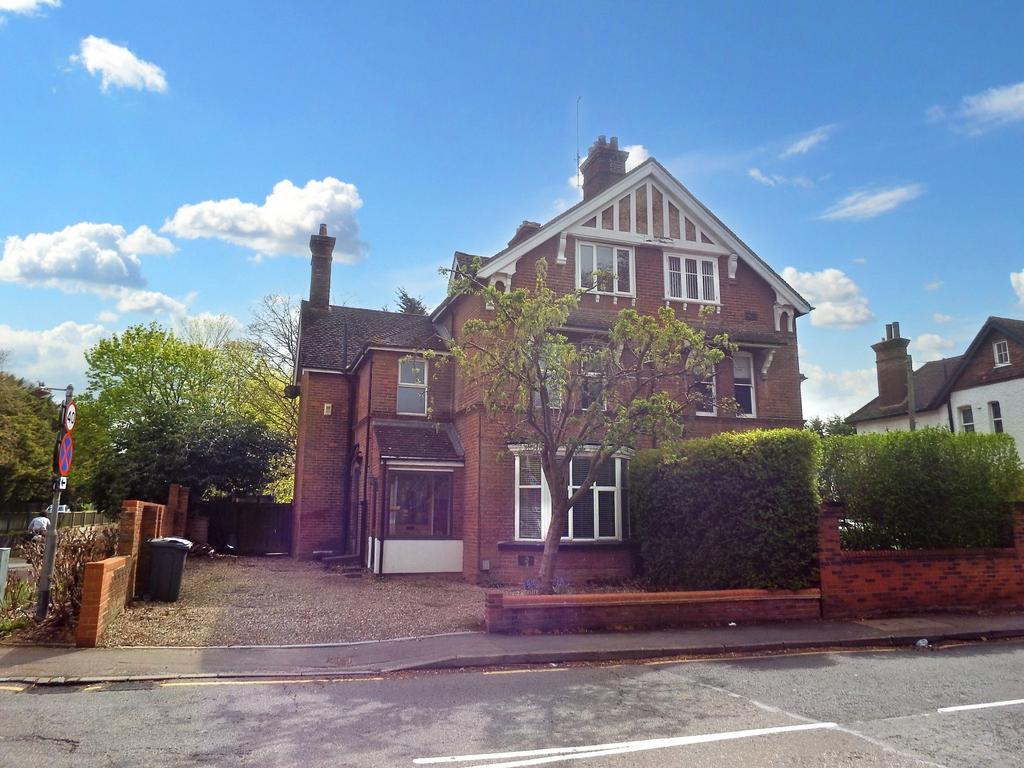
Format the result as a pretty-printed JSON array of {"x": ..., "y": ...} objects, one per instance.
[
  {"x": 929, "y": 382},
  {"x": 435, "y": 441},
  {"x": 331, "y": 339}
]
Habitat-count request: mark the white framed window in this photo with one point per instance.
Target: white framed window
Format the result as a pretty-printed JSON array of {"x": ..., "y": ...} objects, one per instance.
[
  {"x": 412, "y": 386},
  {"x": 691, "y": 278},
  {"x": 1001, "y": 352},
  {"x": 995, "y": 413},
  {"x": 615, "y": 265},
  {"x": 743, "y": 384},
  {"x": 967, "y": 419},
  {"x": 599, "y": 515},
  {"x": 705, "y": 392}
]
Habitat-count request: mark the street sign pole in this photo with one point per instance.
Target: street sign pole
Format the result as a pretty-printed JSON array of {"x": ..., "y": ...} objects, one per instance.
[{"x": 50, "y": 552}]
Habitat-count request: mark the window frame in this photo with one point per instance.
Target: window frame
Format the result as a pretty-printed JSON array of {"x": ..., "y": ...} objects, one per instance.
[
  {"x": 964, "y": 424},
  {"x": 995, "y": 415},
  {"x": 393, "y": 476},
  {"x": 753, "y": 385},
  {"x": 621, "y": 464},
  {"x": 1002, "y": 345},
  {"x": 713, "y": 380},
  {"x": 425, "y": 386},
  {"x": 700, "y": 259},
  {"x": 616, "y": 247}
]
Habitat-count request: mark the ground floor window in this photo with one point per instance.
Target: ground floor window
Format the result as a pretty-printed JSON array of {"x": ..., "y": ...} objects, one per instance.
[
  {"x": 600, "y": 514},
  {"x": 997, "y": 416},
  {"x": 419, "y": 504},
  {"x": 967, "y": 419}
]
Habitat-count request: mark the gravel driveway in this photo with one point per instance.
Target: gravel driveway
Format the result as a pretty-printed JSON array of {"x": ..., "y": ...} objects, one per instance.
[{"x": 270, "y": 601}]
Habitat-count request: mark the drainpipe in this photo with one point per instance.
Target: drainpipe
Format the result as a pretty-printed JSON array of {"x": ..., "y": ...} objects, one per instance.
[
  {"x": 381, "y": 515},
  {"x": 949, "y": 413},
  {"x": 911, "y": 395},
  {"x": 365, "y": 505}
]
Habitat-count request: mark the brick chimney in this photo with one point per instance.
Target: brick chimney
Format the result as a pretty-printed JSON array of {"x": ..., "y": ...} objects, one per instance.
[
  {"x": 605, "y": 165},
  {"x": 322, "y": 248},
  {"x": 524, "y": 230},
  {"x": 891, "y": 363}
]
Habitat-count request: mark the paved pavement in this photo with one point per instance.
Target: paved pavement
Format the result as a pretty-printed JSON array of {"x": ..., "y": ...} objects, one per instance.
[
  {"x": 61, "y": 664},
  {"x": 870, "y": 709}
]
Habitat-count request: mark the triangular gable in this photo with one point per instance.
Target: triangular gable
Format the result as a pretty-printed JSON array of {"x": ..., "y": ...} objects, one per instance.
[
  {"x": 648, "y": 206},
  {"x": 1010, "y": 328}
]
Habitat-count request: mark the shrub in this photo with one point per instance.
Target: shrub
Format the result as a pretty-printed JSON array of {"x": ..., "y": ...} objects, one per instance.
[
  {"x": 929, "y": 489},
  {"x": 737, "y": 510},
  {"x": 75, "y": 548}
]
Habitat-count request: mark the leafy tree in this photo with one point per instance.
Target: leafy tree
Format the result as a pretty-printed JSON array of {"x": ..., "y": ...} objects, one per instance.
[
  {"x": 833, "y": 425},
  {"x": 571, "y": 396},
  {"x": 409, "y": 304},
  {"x": 28, "y": 426}
]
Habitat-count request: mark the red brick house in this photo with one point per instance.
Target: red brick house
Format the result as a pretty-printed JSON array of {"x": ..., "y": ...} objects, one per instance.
[{"x": 396, "y": 461}]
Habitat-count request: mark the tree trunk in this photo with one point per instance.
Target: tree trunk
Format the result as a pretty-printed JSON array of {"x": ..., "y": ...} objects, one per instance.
[{"x": 559, "y": 513}]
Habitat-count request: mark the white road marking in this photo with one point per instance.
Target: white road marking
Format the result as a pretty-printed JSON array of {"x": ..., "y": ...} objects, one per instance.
[
  {"x": 556, "y": 754},
  {"x": 989, "y": 705}
]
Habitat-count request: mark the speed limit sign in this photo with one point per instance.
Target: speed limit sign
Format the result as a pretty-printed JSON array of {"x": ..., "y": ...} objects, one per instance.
[{"x": 70, "y": 416}]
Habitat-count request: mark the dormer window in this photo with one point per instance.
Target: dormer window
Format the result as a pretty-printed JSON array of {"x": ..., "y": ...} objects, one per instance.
[
  {"x": 691, "y": 278},
  {"x": 1001, "y": 352},
  {"x": 412, "y": 386},
  {"x": 604, "y": 269}
]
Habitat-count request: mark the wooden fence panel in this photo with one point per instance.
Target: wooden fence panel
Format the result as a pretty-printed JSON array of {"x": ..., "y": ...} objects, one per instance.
[{"x": 248, "y": 527}]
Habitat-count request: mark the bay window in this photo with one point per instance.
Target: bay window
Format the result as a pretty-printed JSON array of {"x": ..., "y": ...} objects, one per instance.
[
  {"x": 691, "y": 278},
  {"x": 419, "y": 504},
  {"x": 599, "y": 515},
  {"x": 605, "y": 269}
]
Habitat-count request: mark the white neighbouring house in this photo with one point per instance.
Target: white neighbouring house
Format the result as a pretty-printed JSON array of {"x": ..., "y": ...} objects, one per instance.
[{"x": 981, "y": 390}]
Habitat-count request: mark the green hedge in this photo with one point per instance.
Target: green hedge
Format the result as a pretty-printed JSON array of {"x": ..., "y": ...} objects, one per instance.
[
  {"x": 930, "y": 489},
  {"x": 737, "y": 510}
]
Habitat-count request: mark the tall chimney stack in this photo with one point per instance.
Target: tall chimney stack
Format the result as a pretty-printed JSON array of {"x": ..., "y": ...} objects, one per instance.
[
  {"x": 891, "y": 362},
  {"x": 322, "y": 248},
  {"x": 605, "y": 165}
]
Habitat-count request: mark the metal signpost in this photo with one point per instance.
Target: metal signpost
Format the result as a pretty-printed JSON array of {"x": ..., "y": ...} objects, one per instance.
[{"x": 63, "y": 452}]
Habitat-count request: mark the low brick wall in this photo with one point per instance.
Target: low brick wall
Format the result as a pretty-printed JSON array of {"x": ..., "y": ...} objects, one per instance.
[
  {"x": 645, "y": 610},
  {"x": 888, "y": 582},
  {"x": 103, "y": 598},
  {"x": 518, "y": 562}
]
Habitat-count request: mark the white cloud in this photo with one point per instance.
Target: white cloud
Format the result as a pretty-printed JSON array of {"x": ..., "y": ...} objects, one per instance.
[
  {"x": 825, "y": 393},
  {"x": 1017, "y": 281},
  {"x": 806, "y": 143},
  {"x": 935, "y": 114},
  {"x": 102, "y": 259},
  {"x": 54, "y": 356},
  {"x": 933, "y": 285},
  {"x": 776, "y": 180},
  {"x": 106, "y": 316},
  {"x": 837, "y": 299},
  {"x": 283, "y": 223},
  {"x": 938, "y": 317},
  {"x": 26, "y": 7},
  {"x": 860, "y": 260},
  {"x": 118, "y": 67},
  {"x": 930, "y": 346},
  {"x": 993, "y": 108},
  {"x": 867, "y": 205}
]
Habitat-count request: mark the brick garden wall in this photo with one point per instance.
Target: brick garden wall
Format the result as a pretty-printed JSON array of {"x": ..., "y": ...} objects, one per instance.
[
  {"x": 876, "y": 583},
  {"x": 103, "y": 598}
]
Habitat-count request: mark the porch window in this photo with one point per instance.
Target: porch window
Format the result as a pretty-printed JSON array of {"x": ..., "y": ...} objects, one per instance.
[
  {"x": 689, "y": 278},
  {"x": 743, "y": 384},
  {"x": 412, "y": 386},
  {"x": 614, "y": 264},
  {"x": 599, "y": 515},
  {"x": 420, "y": 505}
]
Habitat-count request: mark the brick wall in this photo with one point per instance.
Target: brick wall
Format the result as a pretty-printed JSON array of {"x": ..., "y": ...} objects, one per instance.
[
  {"x": 645, "y": 610},
  {"x": 103, "y": 598},
  {"x": 576, "y": 563},
  {"x": 876, "y": 583}
]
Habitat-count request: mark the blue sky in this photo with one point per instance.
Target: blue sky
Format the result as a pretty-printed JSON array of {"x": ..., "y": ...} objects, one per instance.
[{"x": 874, "y": 151}]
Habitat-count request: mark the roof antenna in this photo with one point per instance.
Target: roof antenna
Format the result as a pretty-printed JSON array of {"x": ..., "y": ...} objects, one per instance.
[{"x": 578, "y": 141}]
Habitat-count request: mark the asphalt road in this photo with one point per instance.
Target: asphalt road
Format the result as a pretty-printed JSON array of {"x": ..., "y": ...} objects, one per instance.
[{"x": 844, "y": 709}]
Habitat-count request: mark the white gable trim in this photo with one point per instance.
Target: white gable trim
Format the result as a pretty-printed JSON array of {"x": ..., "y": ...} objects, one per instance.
[{"x": 651, "y": 170}]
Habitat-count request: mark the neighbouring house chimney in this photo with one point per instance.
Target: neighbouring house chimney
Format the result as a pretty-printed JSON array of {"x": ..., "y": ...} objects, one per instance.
[
  {"x": 523, "y": 231},
  {"x": 322, "y": 248},
  {"x": 891, "y": 362},
  {"x": 605, "y": 165}
]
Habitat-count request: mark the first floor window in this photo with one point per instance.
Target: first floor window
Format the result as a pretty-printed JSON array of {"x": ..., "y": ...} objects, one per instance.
[
  {"x": 613, "y": 268},
  {"x": 600, "y": 514},
  {"x": 1001, "y": 352},
  {"x": 997, "y": 416},
  {"x": 412, "y": 386},
  {"x": 691, "y": 278},
  {"x": 420, "y": 504},
  {"x": 967, "y": 419},
  {"x": 743, "y": 384}
]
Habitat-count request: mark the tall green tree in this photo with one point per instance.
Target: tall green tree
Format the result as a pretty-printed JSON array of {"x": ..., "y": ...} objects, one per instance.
[
  {"x": 28, "y": 426},
  {"x": 572, "y": 396},
  {"x": 833, "y": 425},
  {"x": 409, "y": 304}
]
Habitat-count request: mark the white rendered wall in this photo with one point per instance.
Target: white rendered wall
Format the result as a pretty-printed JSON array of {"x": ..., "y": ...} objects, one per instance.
[
  {"x": 936, "y": 418},
  {"x": 1009, "y": 395},
  {"x": 422, "y": 555}
]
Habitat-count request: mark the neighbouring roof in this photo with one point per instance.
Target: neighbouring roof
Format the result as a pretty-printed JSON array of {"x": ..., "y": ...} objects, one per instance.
[
  {"x": 332, "y": 339},
  {"x": 929, "y": 384},
  {"x": 432, "y": 441}
]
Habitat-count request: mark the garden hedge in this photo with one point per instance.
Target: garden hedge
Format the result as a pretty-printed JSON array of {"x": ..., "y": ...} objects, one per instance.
[
  {"x": 929, "y": 489},
  {"x": 737, "y": 510}
]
